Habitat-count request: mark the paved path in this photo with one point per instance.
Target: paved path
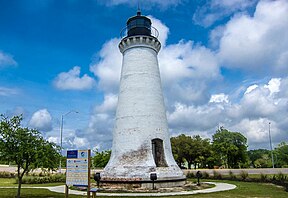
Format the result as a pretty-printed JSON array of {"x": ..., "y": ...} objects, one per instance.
[
  {"x": 218, "y": 187},
  {"x": 250, "y": 171}
]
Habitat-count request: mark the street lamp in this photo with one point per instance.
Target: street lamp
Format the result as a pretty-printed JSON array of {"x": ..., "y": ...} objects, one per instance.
[
  {"x": 61, "y": 134},
  {"x": 271, "y": 146}
]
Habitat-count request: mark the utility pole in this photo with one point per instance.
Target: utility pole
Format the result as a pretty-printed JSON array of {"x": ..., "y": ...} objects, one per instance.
[
  {"x": 61, "y": 134},
  {"x": 271, "y": 146}
]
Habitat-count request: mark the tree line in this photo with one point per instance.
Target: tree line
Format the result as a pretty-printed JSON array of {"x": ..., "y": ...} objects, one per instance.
[{"x": 227, "y": 149}]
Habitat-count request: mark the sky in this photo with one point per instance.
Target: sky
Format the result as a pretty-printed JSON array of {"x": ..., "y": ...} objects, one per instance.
[{"x": 222, "y": 63}]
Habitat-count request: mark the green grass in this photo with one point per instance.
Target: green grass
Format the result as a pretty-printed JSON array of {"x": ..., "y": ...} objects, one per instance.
[
  {"x": 33, "y": 193},
  {"x": 243, "y": 190},
  {"x": 5, "y": 182},
  {"x": 248, "y": 190}
]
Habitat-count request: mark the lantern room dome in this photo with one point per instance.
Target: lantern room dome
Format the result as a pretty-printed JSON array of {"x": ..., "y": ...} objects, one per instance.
[{"x": 138, "y": 25}]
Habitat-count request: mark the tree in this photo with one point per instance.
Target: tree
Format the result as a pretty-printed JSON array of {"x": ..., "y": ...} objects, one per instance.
[
  {"x": 257, "y": 157},
  {"x": 194, "y": 150},
  {"x": 25, "y": 147},
  {"x": 231, "y": 148},
  {"x": 281, "y": 152},
  {"x": 202, "y": 151},
  {"x": 179, "y": 146},
  {"x": 101, "y": 158},
  {"x": 263, "y": 162}
]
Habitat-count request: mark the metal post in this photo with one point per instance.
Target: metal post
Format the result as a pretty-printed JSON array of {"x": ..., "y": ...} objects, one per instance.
[
  {"x": 61, "y": 132},
  {"x": 89, "y": 172},
  {"x": 61, "y": 135},
  {"x": 271, "y": 146}
]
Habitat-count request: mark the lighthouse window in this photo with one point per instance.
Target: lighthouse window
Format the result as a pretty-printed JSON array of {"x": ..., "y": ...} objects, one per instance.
[{"x": 158, "y": 153}]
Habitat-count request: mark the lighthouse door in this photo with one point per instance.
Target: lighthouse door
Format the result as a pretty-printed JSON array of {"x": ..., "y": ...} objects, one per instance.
[{"x": 158, "y": 152}]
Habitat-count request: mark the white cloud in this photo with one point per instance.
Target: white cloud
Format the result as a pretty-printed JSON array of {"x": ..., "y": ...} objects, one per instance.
[
  {"x": 283, "y": 91},
  {"x": 273, "y": 85},
  {"x": 41, "y": 120},
  {"x": 71, "y": 80},
  {"x": 256, "y": 131},
  {"x": 108, "y": 69},
  {"x": 219, "y": 98},
  {"x": 250, "y": 114},
  {"x": 70, "y": 140},
  {"x": 6, "y": 60},
  {"x": 162, "y": 29},
  {"x": 250, "y": 88},
  {"x": 257, "y": 43},
  {"x": 215, "y": 10},
  {"x": 4, "y": 91},
  {"x": 186, "y": 70},
  {"x": 101, "y": 123},
  {"x": 55, "y": 140},
  {"x": 80, "y": 142},
  {"x": 109, "y": 104},
  {"x": 195, "y": 118},
  {"x": 17, "y": 110}
]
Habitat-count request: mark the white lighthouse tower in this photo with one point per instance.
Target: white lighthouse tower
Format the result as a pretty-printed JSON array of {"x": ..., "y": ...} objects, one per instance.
[{"x": 141, "y": 142}]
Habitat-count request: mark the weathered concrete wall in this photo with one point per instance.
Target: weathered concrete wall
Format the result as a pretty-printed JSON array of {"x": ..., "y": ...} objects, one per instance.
[{"x": 140, "y": 115}]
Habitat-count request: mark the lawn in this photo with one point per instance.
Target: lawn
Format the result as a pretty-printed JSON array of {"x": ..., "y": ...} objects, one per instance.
[{"x": 243, "y": 190}]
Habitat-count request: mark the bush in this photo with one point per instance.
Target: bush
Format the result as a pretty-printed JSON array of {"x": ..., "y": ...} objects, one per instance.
[
  {"x": 281, "y": 177},
  {"x": 216, "y": 175},
  {"x": 190, "y": 175},
  {"x": 205, "y": 175},
  {"x": 243, "y": 175},
  {"x": 42, "y": 180},
  {"x": 5, "y": 174},
  {"x": 263, "y": 177},
  {"x": 232, "y": 176}
]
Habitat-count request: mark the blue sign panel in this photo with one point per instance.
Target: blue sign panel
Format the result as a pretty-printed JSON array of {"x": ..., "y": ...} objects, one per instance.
[{"x": 72, "y": 154}]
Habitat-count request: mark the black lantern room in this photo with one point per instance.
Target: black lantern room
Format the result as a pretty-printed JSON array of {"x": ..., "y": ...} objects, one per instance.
[{"x": 138, "y": 25}]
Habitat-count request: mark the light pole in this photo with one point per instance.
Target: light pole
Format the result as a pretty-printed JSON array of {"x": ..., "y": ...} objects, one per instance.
[
  {"x": 271, "y": 146},
  {"x": 61, "y": 134}
]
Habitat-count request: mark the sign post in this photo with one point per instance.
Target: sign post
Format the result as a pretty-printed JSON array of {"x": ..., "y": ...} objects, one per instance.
[{"x": 78, "y": 169}]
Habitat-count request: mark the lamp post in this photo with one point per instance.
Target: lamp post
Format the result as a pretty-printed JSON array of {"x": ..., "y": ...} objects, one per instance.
[
  {"x": 271, "y": 146},
  {"x": 61, "y": 134}
]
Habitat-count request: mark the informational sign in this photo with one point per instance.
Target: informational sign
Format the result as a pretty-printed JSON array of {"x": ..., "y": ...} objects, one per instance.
[{"x": 78, "y": 168}]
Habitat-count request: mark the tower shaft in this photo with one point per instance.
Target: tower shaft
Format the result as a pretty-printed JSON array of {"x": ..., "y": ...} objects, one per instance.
[{"x": 141, "y": 142}]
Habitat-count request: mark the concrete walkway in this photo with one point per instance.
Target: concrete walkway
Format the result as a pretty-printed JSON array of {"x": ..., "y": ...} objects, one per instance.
[{"x": 218, "y": 187}]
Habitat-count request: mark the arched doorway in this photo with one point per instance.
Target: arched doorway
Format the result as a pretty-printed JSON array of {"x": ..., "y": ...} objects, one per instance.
[{"x": 158, "y": 153}]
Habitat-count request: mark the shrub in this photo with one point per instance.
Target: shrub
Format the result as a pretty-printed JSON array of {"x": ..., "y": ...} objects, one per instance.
[
  {"x": 216, "y": 175},
  {"x": 232, "y": 176},
  {"x": 281, "y": 177},
  {"x": 243, "y": 175},
  {"x": 42, "y": 180},
  {"x": 190, "y": 175},
  {"x": 205, "y": 175},
  {"x": 5, "y": 174},
  {"x": 263, "y": 177}
]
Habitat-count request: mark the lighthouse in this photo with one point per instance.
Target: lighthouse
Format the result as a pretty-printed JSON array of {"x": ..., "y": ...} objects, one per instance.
[{"x": 141, "y": 143}]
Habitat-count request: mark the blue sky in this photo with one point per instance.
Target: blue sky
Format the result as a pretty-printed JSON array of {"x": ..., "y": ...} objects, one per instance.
[{"x": 222, "y": 63}]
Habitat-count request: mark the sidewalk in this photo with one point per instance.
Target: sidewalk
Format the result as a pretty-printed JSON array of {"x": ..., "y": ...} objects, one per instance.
[{"x": 218, "y": 187}]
